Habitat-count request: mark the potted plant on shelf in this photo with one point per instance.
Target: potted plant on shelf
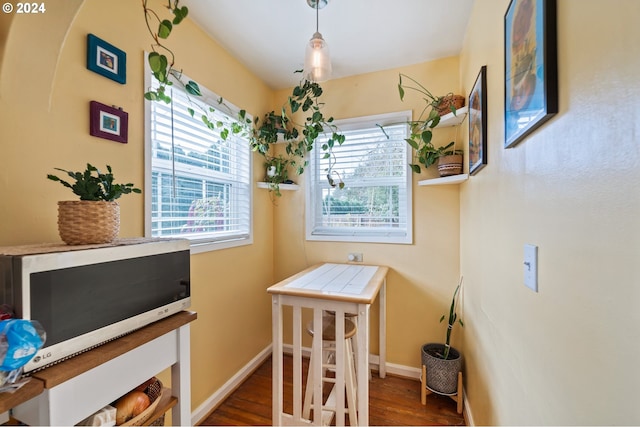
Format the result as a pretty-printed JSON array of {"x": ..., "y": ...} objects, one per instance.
[
  {"x": 442, "y": 361},
  {"x": 95, "y": 218},
  {"x": 449, "y": 158},
  {"x": 276, "y": 172}
]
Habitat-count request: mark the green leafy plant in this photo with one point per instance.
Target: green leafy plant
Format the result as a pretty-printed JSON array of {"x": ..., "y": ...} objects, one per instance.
[
  {"x": 277, "y": 172},
  {"x": 299, "y": 137},
  {"x": 452, "y": 319},
  {"x": 420, "y": 139},
  {"x": 91, "y": 184},
  {"x": 162, "y": 63}
]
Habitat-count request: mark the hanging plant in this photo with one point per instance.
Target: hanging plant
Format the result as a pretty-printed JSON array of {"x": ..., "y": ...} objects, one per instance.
[
  {"x": 161, "y": 62},
  {"x": 299, "y": 137}
]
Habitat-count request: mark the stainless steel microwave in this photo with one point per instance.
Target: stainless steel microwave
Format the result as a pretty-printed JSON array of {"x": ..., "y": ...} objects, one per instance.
[{"x": 85, "y": 297}]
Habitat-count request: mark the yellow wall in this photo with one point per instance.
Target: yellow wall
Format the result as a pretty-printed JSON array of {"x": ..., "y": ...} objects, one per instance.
[
  {"x": 530, "y": 358},
  {"x": 45, "y": 91},
  {"x": 566, "y": 355}
]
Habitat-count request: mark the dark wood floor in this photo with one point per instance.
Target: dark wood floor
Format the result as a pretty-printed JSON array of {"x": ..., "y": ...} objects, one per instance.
[{"x": 393, "y": 401}]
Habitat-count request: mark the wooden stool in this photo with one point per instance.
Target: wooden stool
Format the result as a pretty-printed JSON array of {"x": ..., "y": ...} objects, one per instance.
[
  {"x": 424, "y": 391},
  {"x": 354, "y": 342},
  {"x": 328, "y": 352}
]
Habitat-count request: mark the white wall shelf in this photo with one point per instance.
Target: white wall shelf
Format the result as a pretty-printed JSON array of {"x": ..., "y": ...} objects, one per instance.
[
  {"x": 447, "y": 180},
  {"x": 453, "y": 120},
  {"x": 283, "y": 187}
]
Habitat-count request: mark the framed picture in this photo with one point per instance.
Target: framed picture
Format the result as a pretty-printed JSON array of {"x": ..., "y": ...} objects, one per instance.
[
  {"x": 108, "y": 122},
  {"x": 530, "y": 67},
  {"x": 478, "y": 123},
  {"x": 106, "y": 59}
]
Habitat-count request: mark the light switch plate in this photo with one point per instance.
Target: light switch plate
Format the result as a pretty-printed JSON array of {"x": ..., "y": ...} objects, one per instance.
[{"x": 531, "y": 267}]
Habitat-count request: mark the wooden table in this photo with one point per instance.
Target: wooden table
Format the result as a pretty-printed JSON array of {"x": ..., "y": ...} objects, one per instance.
[
  {"x": 341, "y": 288},
  {"x": 77, "y": 387}
]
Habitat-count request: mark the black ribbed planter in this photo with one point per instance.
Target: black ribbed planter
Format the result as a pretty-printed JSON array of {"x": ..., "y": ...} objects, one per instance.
[{"x": 442, "y": 375}]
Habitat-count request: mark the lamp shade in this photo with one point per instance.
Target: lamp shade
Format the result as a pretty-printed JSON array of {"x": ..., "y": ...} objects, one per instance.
[{"x": 317, "y": 62}]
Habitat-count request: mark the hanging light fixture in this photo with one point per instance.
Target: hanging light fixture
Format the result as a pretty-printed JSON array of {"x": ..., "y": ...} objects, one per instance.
[{"x": 317, "y": 63}]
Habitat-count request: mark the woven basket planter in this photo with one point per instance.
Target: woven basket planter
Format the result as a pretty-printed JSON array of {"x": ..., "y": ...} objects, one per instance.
[
  {"x": 450, "y": 165},
  {"x": 442, "y": 375},
  {"x": 82, "y": 222},
  {"x": 445, "y": 105}
]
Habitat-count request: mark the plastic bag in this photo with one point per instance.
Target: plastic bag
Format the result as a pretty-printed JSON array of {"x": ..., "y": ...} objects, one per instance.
[{"x": 20, "y": 340}]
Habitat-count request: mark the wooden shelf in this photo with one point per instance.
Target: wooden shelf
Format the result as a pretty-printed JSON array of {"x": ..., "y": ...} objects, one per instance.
[
  {"x": 31, "y": 389},
  {"x": 453, "y": 120},
  {"x": 447, "y": 180},
  {"x": 283, "y": 187}
]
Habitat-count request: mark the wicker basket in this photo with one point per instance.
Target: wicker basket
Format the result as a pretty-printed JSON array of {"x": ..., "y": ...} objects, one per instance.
[
  {"x": 82, "y": 222},
  {"x": 450, "y": 165},
  {"x": 154, "y": 391},
  {"x": 445, "y": 105}
]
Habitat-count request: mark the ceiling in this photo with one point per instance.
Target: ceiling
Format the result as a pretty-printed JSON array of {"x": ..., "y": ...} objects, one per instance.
[{"x": 269, "y": 36}]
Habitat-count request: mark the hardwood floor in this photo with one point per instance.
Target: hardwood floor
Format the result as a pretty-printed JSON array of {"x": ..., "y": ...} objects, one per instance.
[{"x": 392, "y": 401}]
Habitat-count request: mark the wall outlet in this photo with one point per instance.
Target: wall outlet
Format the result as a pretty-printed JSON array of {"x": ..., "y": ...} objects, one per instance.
[{"x": 355, "y": 257}]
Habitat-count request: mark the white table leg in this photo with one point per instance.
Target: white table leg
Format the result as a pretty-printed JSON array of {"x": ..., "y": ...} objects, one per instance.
[
  {"x": 278, "y": 371},
  {"x": 382, "y": 297},
  {"x": 181, "y": 378},
  {"x": 362, "y": 370}
]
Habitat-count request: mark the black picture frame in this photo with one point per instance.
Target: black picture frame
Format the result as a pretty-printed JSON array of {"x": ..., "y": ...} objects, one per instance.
[
  {"x": 478, "y": 123},
  {"x": 106, "y": 59},
  {"x": 108, "y": 122},
  {"x": 530, "y": 67}
]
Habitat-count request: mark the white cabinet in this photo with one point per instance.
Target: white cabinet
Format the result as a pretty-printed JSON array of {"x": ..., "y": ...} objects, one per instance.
[{"x": 80, "y": 386}]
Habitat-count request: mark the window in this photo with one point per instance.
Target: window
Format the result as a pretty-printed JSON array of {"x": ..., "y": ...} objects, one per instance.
[
  {"x": 197, "y": 184},
  {"x": 375, "y": 203}
]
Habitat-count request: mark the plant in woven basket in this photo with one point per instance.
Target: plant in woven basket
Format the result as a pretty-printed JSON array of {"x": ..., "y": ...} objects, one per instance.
[
  {"x": 443, "y": 362},
  {"x": 95, "y": 218},
  {"x": 95, "y": 185},
  {"x": 420, "y": 139}
]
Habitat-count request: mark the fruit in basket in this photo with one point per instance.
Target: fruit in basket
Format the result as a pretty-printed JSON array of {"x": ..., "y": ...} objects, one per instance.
[{"x": 131, "y": 405}]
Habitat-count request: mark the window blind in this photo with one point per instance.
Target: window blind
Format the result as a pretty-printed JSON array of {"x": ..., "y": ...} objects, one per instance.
[
  {"x": 200, "y": 183},
  {"x": 375, "y": 203}
]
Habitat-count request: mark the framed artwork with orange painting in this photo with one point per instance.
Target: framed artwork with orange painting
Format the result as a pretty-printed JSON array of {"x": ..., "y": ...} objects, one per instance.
[
  {"x": 530, "y": 67},
  {"x": 478, "y": 123}
]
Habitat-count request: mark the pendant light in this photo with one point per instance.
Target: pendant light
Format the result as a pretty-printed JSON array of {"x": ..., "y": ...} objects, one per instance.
[{"x": 317, "y": 63}]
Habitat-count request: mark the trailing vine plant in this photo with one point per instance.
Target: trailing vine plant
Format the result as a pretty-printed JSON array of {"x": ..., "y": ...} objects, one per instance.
[{"x": 299, "y": 137}]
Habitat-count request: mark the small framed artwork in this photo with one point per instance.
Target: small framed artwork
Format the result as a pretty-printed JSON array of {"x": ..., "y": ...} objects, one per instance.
[
  {"x": 478, "y": 123},
  {"x": 108, "y": 122},
  {"x": 106, "y": 59},
  {"x": 530, "y": 67}
]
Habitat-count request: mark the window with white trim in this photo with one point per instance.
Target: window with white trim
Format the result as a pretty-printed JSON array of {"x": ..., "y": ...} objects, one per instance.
[
  {"x": 197, "y": 183},
  {"x": 375, "y": 203}
]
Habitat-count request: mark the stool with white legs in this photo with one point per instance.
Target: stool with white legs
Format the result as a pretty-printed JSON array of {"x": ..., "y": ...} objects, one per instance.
[
  {"x": 329, "y": 364},
  {"x": 354, "y": 343}
]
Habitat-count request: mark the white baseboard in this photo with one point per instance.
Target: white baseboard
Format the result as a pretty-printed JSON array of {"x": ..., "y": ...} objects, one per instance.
[
  {"x": 234, "y": 382},
  {"x": 467, "y": 411}
]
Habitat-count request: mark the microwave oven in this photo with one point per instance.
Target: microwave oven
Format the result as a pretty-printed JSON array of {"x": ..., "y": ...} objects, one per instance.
[{"x": 86, "y": 296}]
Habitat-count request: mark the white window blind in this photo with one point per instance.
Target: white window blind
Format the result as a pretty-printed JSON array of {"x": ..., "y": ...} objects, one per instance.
[
  {"x": 199, "y": 186},
  {"x": 375, "y": 203}
]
